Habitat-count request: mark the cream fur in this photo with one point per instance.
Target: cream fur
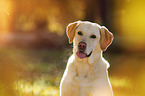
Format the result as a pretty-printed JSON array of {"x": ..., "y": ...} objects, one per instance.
[{"x": 88, "y": 76}]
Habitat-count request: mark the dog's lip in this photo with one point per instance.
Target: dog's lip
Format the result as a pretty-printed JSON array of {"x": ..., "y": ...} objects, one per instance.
[
  {"x": 89, "y": 54},
  {"x": 84, "y": 53}
]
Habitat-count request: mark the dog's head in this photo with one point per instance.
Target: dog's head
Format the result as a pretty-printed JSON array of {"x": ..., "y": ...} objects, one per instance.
[{"x": 89, "y": 38}]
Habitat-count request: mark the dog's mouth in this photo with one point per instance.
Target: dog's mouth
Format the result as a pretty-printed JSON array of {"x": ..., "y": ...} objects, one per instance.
[{"x": 83, "y": 55}]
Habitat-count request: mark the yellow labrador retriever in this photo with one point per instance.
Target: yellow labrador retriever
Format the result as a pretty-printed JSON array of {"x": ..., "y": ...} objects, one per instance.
[{"x": 86, "y": 72}]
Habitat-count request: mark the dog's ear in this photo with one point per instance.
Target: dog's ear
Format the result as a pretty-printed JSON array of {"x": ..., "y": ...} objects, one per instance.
[
  {"x": 106, "y": 38},
  {"x": 71, "y": 30}
]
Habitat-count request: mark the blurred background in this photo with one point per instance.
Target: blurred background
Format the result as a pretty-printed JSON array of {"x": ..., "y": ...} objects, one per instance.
[{"x": 34, "y": 47}]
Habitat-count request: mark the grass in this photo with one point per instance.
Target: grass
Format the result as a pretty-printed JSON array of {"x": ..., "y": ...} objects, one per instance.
[
  {"x": 26, "y": 72},
  {"x": 39, "y": 87}
]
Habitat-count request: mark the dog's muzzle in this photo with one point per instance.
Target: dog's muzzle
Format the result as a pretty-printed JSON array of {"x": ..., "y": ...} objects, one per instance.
[{"x": 81, "y": 50}]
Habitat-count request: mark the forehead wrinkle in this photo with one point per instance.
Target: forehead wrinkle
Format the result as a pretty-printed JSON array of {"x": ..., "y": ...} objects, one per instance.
[{"x": 85, "y": 27}]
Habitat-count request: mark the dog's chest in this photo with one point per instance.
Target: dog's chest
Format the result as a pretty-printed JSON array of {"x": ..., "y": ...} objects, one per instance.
[{"x": 85, "y": 72}]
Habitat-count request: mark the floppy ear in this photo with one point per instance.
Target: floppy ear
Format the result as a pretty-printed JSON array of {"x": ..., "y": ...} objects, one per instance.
[
  {"x": 71, "y": 30},
  {"x": 106, "y": 38}
]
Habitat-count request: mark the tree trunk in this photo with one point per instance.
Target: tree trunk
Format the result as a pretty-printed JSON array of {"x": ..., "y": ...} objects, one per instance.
[
  {"x": 91, "y": 10},
  {"x": 103, "y": 11}
]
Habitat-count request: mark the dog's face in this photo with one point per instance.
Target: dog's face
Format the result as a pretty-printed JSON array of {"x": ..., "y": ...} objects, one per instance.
[
  {"x": 89, "y": 38},
  {"x": 86, "y": 39}
]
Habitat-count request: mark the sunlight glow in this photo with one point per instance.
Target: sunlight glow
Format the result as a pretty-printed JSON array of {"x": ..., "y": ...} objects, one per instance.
[
  {"x": 120, "y": 82},
  {"x": 133, "y": 23},
  {"x": 38, "y": 87},
  {"x": 5, "y": 8}
]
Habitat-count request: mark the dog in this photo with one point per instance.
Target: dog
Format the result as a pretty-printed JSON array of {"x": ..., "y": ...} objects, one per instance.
[{"x": 86, "y": 72}]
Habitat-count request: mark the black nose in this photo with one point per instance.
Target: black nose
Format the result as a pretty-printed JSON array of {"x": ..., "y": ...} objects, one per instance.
[{"x": 82, "y": 46}]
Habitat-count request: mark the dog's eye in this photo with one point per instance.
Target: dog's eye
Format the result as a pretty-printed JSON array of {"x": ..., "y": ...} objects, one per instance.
[
  {"x": 93, "y": 36},
  {"x": 80, "y": 33}
]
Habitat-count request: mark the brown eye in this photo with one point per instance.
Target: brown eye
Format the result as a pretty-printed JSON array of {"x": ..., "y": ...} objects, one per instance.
[
  {"x": 93, "y": 36},
  {"x": 80, "y": 33}
]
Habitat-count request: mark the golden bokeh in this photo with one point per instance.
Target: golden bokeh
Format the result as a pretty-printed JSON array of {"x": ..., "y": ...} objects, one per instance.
[
  {"x": 133, "y": 24},
  {"x": 5, "y": 15}
]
